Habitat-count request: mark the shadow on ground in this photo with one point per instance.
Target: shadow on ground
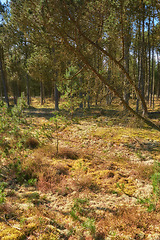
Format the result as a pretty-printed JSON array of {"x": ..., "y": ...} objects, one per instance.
[
  {"x": 115, "y": 116},
  {"x": 80, "y": 113},
  {"x": 40, "y": 112},
  {"x": 154, "y": 115}
]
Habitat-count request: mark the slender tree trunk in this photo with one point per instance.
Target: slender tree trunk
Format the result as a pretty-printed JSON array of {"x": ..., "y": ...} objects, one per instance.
[
  {"x": 158, "y": 76},
  {"x": 153, "y": 70},
  {"x": 139, "y": 62},
  {"x": 142, "y": 76},
  {"x": 149, "y": 60},
  {"x": 81, "y": 94},
  {"x": 42, "y": 92},
  {"x": 52, "y": 92},
  {"x": 56, "y": 97},
  {"x": 3, "y": 77},
  {"x": 28, "y": 90},
  {"x": 27, "y": 77},
  {"x": 153, "y": 78},
  {"x": 88, "y": 100},
  {"x": 81, "y": 103},
  {"x": 1, "y": 95},
  {"x": 15, "y": 92},
  {"x": 126, "y": 65}
]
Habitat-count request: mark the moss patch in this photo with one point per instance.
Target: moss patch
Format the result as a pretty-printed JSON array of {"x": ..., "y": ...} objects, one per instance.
[{"x": 11, "y": 234}]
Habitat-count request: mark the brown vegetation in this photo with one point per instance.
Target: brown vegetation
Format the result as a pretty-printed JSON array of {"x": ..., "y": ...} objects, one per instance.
[{"x": 98, "y": 185}]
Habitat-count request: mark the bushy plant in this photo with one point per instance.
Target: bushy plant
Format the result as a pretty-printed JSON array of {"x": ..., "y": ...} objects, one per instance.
[
  {"x": 17, "y": 110},
  {"x": 151, "y": 202},
  {"x": 10, "y": 118},
  {"x": 4, "y": 118},
  {"x": 2, "y": 194},
  {"x": 80, "y": 210},
  {"x": 71, "y": 89},
  {"x": 156, "y": 180}
]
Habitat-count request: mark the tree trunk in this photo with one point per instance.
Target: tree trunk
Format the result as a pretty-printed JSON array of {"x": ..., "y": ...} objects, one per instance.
[
  {"x": 108, "y": 54},
  {"x": 158, "y": 76},
  {"x": 153, "y": 77},
  {"x": 68, "y": 41},
  {"x": 3, "y": 77},
  {"x": 116, "y": 93},
  {"x": 153, "y": 73},
  {"x": 56, "y": 97},
  {"x": 42, "y": 92},
  {"x": 142, "y": 76},
  {"x": 28, "y": 90},
  {"x": 126, "y": 65},
  {"x": 149, "y": 61}
]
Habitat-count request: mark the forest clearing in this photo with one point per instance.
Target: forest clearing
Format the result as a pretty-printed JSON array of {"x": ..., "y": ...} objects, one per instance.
[
  {"x": 102, "y": 181},
  {"x": 79, "y": 119}
]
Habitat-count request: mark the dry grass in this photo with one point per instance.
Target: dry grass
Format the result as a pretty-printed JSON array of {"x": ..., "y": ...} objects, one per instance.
[{"x": 94, "y": 176}]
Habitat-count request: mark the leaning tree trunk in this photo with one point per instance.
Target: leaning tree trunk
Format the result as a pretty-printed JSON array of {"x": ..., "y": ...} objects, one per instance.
[{"x": 77, "y": 50}]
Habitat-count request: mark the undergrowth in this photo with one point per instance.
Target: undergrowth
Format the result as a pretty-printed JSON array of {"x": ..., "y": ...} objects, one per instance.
[{"x": 61, "y": 190}]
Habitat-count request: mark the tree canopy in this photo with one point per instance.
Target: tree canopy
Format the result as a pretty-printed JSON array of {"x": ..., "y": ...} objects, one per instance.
[{"x": 114, "y": 43}]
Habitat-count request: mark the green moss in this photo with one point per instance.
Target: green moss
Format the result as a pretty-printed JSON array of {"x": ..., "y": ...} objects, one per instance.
[
  {"x": 100, "y": 132},
  {"x": 125, "y": 185},
  {"x": 11, "y": 234},
  {"x": 30, "y": 228},
  {"x": 49, "y": 236},
  {"x": 80, "y": 164}
]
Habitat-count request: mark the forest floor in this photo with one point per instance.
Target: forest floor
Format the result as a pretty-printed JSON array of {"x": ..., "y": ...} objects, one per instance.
[{"x": 96, "y": 176}]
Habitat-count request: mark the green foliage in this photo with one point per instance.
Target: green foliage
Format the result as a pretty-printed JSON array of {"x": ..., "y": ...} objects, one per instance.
[
  {"x": 148, "y": 203},
  {"x": 156, "y": 180},
  {"x": 89, "y": 224},
  {"x": 2, "y": 194},
  {"x": 9, "y": 119},
  {"x": 40, "y": 64},
  {"x": 22, "y": 175},
  {"x": 70, "y": 88},
  {"x": 17, "y": 110},
  {"x": 32, "y": 181},
  {"x": 4, "y": 117},
  {"x": 80, "y": 210},
  {"x": 151, "y": 202},
  {"x": 13, "y": 141},
  {"x": 78, "y": 206}
]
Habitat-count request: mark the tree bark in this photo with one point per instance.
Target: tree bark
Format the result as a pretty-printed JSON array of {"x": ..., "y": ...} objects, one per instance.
[
  {"x": 3, "y": 77},
  {"x": 42, "y": 92},
  {"x": 142, "y": 75},
  {"x": 56, "y": 97},
  {"x": 149, "y": 60},
  {"x": 28, "y": 90}
]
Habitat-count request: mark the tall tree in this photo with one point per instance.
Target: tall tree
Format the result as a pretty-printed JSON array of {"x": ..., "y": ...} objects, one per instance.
[
  {"x": 2, "y": 66},
  {"x": 76, "y": 25}
]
